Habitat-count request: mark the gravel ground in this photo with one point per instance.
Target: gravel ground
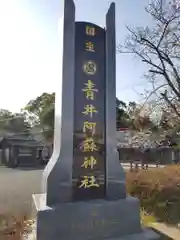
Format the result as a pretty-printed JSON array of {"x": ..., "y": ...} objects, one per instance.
[{"x": 16, "y": 189}]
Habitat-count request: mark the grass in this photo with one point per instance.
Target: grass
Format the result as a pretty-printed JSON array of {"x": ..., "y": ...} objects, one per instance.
[
  {"x": 146, "y": 218},
  {"x": 14, "y": 228}
]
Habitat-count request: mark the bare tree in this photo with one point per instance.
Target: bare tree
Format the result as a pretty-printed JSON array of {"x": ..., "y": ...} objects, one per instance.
[{"x": 159, "y": 49}]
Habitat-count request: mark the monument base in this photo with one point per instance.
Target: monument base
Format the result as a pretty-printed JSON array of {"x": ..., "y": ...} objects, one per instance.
[{"x": 97, "y": 219}]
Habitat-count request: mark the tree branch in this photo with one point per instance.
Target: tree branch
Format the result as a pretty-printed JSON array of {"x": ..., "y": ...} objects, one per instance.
[{"x": 164, "y": 95}]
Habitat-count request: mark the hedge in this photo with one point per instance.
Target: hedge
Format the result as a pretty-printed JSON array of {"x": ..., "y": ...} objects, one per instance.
[{"x": 158, "y": 190}]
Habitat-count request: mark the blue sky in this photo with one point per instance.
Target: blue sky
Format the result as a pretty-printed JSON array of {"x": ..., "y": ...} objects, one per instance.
[{"x": 30, "y": 46}]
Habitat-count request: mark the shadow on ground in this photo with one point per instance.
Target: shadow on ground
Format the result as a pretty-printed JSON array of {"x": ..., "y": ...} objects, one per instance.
[{"x": 30, "y": 168}]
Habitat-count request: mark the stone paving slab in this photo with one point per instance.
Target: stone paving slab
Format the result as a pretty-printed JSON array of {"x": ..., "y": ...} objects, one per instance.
[{"x": 170, "y": 231}]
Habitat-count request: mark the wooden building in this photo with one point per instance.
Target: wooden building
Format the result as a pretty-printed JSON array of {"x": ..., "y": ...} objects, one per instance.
[{"x": 20, "y": 151}]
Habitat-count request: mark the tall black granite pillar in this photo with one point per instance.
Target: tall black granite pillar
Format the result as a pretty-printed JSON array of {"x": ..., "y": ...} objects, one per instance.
[
  {"x": 84, "y": 184},
  {"x": 115, "y": 176}
]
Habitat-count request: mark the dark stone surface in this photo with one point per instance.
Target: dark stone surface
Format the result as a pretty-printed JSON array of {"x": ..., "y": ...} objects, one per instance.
[
  {"x": 89, "y": 49},
  {"x": 63, "y": 173},
  {"x": 57, "y": 176},
  {"x": 115, "y": 176},
  {"x": 112, "y": 215},
  {"x": 96, "y": 219}
]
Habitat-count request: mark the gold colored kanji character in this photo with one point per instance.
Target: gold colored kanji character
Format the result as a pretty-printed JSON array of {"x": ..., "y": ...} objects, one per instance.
[
  {"x": 90, "y": 47},
  {"x": 88, "y": 182},
  {"x": 89, "y": 109},
  {"x": 90, "y": 31},
  {"x": 89, "y": 90},
  {"x": 89, "y": 162},
  {"x": 89, "y": 126},
  {"x": 89, "y": 145}
]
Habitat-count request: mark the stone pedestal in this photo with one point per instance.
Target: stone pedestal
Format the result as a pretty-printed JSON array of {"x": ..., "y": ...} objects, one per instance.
[{"x": 97, "y": 219}]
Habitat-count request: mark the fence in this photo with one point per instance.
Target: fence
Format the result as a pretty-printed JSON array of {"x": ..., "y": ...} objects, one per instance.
[
  {"x": 161, "y": 156},
  {"x": 135, "y": 166}
]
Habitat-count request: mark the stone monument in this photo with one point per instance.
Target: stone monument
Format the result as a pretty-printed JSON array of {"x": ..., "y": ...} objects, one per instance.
[{"x": 84, "y": 184}]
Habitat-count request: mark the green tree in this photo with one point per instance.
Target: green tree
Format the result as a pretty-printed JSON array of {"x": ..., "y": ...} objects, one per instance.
[
  {"x": 41, "y": 112},
  {"x": 13, "y": 122},
  {"x": 122, "y": 116}
]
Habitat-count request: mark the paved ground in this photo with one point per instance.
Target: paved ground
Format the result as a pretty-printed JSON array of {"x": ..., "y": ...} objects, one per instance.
[{"x": 17, "y": 187}]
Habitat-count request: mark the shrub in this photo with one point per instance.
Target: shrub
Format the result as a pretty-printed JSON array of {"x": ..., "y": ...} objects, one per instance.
[
  {"x": 158, "y": 190},
  {"x": 14, "y": 228},
  {"x": 147, "y": 218}
]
